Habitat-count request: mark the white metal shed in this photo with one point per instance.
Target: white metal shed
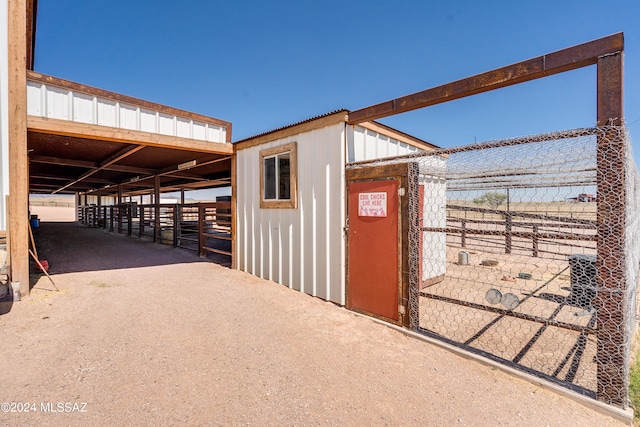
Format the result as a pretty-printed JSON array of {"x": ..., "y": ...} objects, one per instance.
[{"x": 302, "y": 246}]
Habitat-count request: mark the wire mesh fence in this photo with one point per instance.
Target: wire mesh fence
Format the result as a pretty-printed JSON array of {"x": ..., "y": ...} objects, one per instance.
[{"x": 527, "y": 251}]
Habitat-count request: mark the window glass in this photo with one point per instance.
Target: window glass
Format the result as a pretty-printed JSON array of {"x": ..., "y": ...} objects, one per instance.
[
  {"x": 278, "y": 177},
  {"x": 270, "y": 178},
  {"x": 284, "y": 174}
]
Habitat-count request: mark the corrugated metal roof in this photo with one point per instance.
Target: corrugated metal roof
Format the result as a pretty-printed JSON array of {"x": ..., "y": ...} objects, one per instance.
[{"x": 342, "y": 110}]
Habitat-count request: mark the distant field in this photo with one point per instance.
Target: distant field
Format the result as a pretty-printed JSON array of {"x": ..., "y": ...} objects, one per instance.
[
  {"x": 53, "y": 208},
  {"x": 62, "y": 201},
  {"x": 54, "y": 214},
  {"x": 577, "y": 210}
]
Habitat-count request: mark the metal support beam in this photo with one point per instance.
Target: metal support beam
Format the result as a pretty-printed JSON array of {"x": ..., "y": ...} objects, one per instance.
[
  {"x": 611, "y": 301},
  {"x": 553, "y": 63}
]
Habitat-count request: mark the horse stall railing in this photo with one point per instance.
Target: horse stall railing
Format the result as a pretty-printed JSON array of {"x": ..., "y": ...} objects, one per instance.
[
  {"x": 214, "y": 228},
  {"x": 201, "y": 227},
  {"x": 147, "y": 223},
  {"x": 187, "y": 227}
]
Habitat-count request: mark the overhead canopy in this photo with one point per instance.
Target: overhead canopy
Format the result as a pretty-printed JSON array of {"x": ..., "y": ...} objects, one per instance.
[{"x": 84, "y": 140}]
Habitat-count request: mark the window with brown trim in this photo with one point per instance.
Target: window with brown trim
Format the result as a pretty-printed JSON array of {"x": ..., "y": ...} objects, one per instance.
[{"x": 279, "y": 177}]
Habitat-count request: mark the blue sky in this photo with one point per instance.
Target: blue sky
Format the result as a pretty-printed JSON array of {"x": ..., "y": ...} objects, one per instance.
[{"x": 266, "y": 64}]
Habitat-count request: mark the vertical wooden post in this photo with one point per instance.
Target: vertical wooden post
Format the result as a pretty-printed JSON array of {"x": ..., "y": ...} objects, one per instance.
[
  {"x": 141, "y": 227},
  {"x": 119, "y": 208},
  {"x": 176, "y": 225},
  {"x": 156, "y": 208},
  {"x": 99, "y": 209},
  {"x": 78, "y": 204},
  {"x": 201, "y": 229},
  {"x": 611, "y": 304},
  {"x": 8, "y": 242},
  {"x": 18, "y": 226},
  {"x": 129, "y": 211},
  {"x": 140, "y": 217},
  {"x": 233, "y": 227},
  {"x": 463, "y": 238},
  {"x": 79, "y": 211},
  {"x": 507, "y": 236}
]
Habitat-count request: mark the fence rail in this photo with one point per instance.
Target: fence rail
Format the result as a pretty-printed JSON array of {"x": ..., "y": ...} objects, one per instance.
[
  {"x": 202, "y": 227},
  {"x": 538, "y": 229}
]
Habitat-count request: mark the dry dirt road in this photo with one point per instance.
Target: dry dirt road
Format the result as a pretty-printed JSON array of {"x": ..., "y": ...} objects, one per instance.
[{"x": 141, "y": 334}]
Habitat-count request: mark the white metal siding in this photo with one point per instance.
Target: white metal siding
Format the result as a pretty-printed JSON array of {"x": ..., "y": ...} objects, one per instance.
[
  {"x": 4, "y": 114},
  {"x": 83, "y": 108},
  {"x": 183, "y": 128},
  {"x": 107, "y": 113},
  {"x": 365, "y": 144},
  {"x": 300, "y": 248},
  {"x": 45, "y": 100}
]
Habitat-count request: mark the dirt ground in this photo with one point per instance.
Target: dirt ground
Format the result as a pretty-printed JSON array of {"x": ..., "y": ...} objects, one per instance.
[
  {"x": 565, "y": 354},
  {"x": 143, "y": 334}
]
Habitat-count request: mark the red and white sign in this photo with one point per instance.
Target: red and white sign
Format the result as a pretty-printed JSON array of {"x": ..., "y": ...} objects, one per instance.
[{"x": 372, "y": 204}]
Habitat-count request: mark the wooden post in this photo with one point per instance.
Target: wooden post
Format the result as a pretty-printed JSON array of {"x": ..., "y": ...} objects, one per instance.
[
  {"x": 234, "y": 214},
  {"x": 18, "y": 227},
  {"x": 141, "y": 227},
  {"x": 176, "y": 224},
  {"x": 611, "y": 303},
  {"x": 507, "y": 236},
  {"x": 99, "y": 209},
  {"x": 8, "y": 242},
  {"x": 129, "y": 209},
  {"x": 78, "y": 204},
  {"x": 119, "y": 208},
  {"x": 535, "y": 241},
  {"x": 463, "y": 238},
  {"x": 201, "y": 229},
  {"x": 156, "y": 208}
]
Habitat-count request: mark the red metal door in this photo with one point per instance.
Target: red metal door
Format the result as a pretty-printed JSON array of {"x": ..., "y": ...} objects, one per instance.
[{"x": 373, "y": 266}]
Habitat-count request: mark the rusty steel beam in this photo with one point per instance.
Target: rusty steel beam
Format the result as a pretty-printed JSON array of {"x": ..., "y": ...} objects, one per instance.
[
  {"x": 612, "y": 307},
  {"x": 553, "y": 63}
]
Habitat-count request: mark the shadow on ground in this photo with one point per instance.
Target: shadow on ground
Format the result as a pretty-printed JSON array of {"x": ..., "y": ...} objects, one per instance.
[
  {"x": 5, "y": 304},
  {"x": 71, "y": 247}
]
